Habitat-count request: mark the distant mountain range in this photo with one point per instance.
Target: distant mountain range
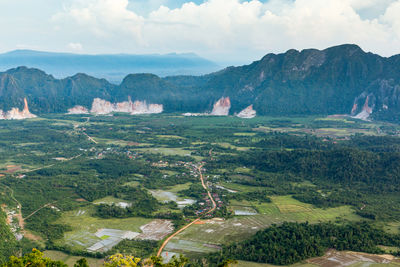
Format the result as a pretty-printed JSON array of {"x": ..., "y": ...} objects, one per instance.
[
  {"x": 111, "y": 67},
  {"x": 339, "y": 80}
]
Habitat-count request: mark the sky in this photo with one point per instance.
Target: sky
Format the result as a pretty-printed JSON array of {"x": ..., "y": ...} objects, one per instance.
[{"x": 226, "y": 31}]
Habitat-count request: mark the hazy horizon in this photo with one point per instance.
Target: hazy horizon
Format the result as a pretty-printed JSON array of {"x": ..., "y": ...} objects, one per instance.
[{"x": 229, "y": 32}]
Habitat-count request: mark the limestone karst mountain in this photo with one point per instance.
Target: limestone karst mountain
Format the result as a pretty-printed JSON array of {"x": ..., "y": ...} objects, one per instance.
[{"x": 338, "y": 80}]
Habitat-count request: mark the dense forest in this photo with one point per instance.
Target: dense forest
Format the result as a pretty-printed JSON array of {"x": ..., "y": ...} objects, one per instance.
[
  {"x": 293, "y": 242},
  {"x": 354, "y": 172}
]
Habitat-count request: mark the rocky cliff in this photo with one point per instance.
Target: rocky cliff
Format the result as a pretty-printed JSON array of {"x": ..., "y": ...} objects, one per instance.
[
  {"x": 16, "y": 114},
  {"x": 247, "y": 113},
  {"x": 222, "y": 107},
  {"x": 101, "y": 107},
  {"x": 78, "y": 110}
]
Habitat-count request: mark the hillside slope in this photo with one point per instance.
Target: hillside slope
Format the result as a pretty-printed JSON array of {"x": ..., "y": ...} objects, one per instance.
[{"x": 338, "y": 80}]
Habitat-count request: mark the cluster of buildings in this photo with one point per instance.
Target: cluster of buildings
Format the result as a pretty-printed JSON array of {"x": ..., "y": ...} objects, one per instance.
[{"x": 13, "y": 222}]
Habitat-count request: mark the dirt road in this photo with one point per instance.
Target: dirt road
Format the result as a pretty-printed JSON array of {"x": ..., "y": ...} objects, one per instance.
[{"x": 196, "y": 220}]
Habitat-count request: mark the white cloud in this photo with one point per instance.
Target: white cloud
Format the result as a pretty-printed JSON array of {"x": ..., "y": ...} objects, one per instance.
[
  {"x": 221, "y": 29},
  {"x": 392, "y": 18},
  {"x": 103, "y": 18},
  {"x": 75, "y": 47}
]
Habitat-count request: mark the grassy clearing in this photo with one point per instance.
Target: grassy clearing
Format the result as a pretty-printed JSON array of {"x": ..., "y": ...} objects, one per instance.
[
  {"x": 170, "y": 136},
  {"x": 389, "y": 249},
  {"x": 242, "y": 170},
  {"x": 108, "y": 200},
  {"x": 71, "y": 260},
  {"x": 121, "y": 143},
  {"x": 304, "y": 184},
  {"x": 336, "y": 119},
  {"x": 390, "y": 227},
  {"x": 132, "y": 184},
  {"x": 166, "y": 151},
  {"x": 244, "y": 134},
  {"x": 287, "y": 204},
  {"x": 178, "y": 187},
  {"x": 239, "y": 187},
  {"x": 228, "y": 145},
  {"x": 169, "y": 172}
]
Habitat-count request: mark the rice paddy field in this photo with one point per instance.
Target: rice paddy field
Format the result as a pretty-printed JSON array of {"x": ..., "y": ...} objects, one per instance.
[
  {"x": 214, "y": 232},
  {"x": 85, "y": 225}
]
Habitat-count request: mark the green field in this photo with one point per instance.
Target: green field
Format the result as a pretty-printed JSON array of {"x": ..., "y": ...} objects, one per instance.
[
  {"x": 168, "y": 151},
  {"x": 108, "y": 200},
  {"x": 71, "y": 260}
]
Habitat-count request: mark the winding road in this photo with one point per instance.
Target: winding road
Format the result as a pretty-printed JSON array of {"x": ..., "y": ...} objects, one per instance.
[{"x": 214, "y": 206}]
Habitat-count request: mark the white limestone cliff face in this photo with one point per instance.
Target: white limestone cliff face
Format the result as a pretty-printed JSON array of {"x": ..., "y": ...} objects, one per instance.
[
  {"x": 78, "y": 110},
  {"x": 101, "y": 107},
  {"x": 222, "y": 107},
  {"x": 365, "y": 112},
  {"x": 247, "y": 113},
  {"x": 16, "y": 114}
]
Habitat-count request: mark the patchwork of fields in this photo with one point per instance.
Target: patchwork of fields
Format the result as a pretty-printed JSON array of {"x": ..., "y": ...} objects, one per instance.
[
  {"x": 157, "y": 154},
  {"x": 212, "y": 233}
]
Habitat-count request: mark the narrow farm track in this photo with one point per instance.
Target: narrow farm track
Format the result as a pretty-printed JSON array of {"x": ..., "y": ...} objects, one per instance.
[
  {"x": 42, "y": 207},
  {"x": 90, "y": 138},
  {"x": 214, "y": 206}
]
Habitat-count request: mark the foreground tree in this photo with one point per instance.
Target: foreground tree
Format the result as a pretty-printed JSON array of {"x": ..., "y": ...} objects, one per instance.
[
  {"x": 156, "y": 261},
  {"x": 81, "y": 263},
  {"x": 119, "y": 260},
  {"x": 227, "y": 263},
  {"x": 33, "y": 259}
]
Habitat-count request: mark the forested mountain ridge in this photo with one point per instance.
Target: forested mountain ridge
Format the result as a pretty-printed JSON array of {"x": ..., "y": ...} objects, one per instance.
[{"x": 338, "y": 80}]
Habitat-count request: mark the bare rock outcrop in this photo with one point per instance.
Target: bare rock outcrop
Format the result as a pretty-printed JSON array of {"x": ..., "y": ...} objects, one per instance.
[
  {"x": 247, "y": 113},
  {"x": 101, "y": 107},
  {"x": 365, "y": 112},
  {"x": 367, "y": 108},
  {"x": 78, "y": 110},
  {"x": 222, "y": 107},
  {"x": 16, "y": 114}
]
